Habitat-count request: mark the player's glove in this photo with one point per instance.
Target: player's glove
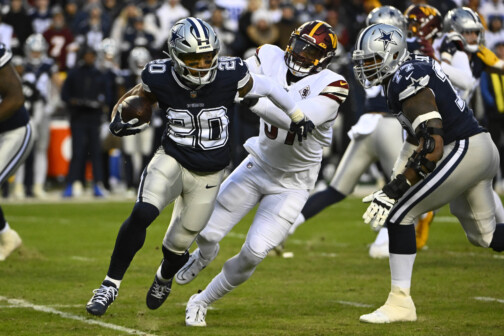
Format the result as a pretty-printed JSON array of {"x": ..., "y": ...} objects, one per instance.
[
  {"x": 120, "y": 128},
  {"x": 452, "y": 43},
  {"x": 302, "y": 128},
  {"x": 489, "y": 58},
  {"x": 383, "y": 200}
]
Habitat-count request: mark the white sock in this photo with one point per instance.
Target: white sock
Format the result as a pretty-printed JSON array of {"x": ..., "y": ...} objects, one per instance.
[
  {"x": 499, "y": 209},
  {"x": 216, "y": 289},
  {"x": 5, "y": 229},
  {"x": 114, "y": 281},
  {"x": 160, "y": 276},
  {"x": 401, "y": 269},
  {"x": 382, "y": 236},
  {"x": 299, "y": 220}
]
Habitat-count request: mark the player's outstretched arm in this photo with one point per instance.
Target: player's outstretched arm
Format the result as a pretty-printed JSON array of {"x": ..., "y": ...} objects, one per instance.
[{"x": 11, "y": 92}]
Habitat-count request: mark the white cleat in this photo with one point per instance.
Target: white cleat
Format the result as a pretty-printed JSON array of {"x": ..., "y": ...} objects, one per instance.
[
  {"x": 9, "y": 241},
  {"x": 379, "y": 251},
  {"x": 398, "y": 308},
  {"x": 195, "y": 313},
  {"x": 193, "y": 266}
]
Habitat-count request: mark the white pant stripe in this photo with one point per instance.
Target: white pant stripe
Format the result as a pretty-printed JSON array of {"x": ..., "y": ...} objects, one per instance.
[{"x": 14, "y": 162}]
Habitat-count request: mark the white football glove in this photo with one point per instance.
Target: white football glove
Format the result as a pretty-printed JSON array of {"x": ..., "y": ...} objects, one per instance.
[{"x": 377, "y": 212}]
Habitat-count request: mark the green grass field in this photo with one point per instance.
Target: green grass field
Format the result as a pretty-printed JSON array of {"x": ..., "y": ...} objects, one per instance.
[{"x": 44, "y": 286}]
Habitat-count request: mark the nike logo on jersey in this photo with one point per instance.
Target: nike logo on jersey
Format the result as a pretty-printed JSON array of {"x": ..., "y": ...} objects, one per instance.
[
  {"x": 408, "y": 77},
  {"x": 209, "y": 186}
]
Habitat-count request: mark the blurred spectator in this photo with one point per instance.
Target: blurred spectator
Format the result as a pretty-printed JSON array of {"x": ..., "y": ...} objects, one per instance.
[
  {"x": 495, "y": 33},
  {"x": 136, "y": 36},
  {"x": 246, "y": 16},
  {"x": 274, "y": 10},
  {"x": 149, "y": 9},
  {"x": 41, "y": 16},
  {"x": 492, "y": 8},
  {"x": 226, "y": 35},
  {"x": 18, "y": 18},
  {"x": 353, "y": 17},
  {"x": 492, "y": 92},
  {"x": 262, "y": 31},
  {"x": 6, "y": 33},
  {"x": 112, "y": 8},
  {"x": 302, "y": 9},
  {"x": 333, "y": 20},
  {"x": 287, "y": 24},
  {"x": 93, "y": 28},
  {"x": 60, "y": 40},
  {"x": 319, "y": 11},
  {"x": 234, "y": 9},
  {"x": 85, "y": 93},
  {"x": 169, "y": 13},
  {"x": 203, "y": 9},
  {"x": 71, "y": 15}
]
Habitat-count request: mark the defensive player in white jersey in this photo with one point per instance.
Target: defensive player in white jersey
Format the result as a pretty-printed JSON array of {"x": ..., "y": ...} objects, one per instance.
[
  {"x": 196, "y": 88},
  {"x": 279, "y": 171}
]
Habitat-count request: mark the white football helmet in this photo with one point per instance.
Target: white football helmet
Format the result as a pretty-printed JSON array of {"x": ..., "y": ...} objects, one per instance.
[
  {"x": 137, "y": 59},
  {"x": 193, "y": 36},
  {"x": 379, "y": 51},
  {"x": 35, "y": 49},
  {"x": 463, "y": 20},
  {"x": 388, "y": 15}
]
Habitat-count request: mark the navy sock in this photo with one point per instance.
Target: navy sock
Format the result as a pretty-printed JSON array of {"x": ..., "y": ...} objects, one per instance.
[
  {"x": 172, "y": 262},
  {"x": 319, "y": 201},
  {"x": 401, "y": 238},
  {"x": 2, "y": 220},
  {"x": 497, "y": 243},
  {"x": 131, "y": 238}
]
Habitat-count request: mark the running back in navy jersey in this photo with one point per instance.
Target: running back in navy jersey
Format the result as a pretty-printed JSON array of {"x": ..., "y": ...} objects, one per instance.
[
  {"x": 423, "y": 72},
  {"x": 197, "y": 131},
  {"x": 20, "y": 117}
]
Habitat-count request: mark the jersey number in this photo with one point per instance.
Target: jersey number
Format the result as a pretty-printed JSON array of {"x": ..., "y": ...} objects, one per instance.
[
  {"x": 208, "y": 129},
  {"x": 272, "y": 133}
]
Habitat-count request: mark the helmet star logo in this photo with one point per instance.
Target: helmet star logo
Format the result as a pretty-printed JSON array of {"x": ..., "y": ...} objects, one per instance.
[
  {"x": 386, "y": 38},
  {"x": 176, "y": 36}
]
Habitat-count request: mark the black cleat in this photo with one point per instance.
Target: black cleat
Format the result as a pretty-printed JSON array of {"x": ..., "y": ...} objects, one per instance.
[
  {"x": 102, "y": 298},
  {"x": 158, "y": 293}
]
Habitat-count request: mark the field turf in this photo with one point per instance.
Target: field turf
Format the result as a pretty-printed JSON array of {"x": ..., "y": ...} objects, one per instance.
[{"x": 458, "y": 289}]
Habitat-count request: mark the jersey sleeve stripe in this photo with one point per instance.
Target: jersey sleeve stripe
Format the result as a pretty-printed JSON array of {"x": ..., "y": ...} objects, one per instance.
[
  {"x": 244, "y": 80},
  {"x": 5, "y": 57},
  {"x": 338, "y": 99}
]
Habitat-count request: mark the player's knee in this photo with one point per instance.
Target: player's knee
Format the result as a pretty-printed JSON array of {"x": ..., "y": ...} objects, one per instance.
[
  {"x": 497, "y": 243},
  {"x": 143, "y": 214}
]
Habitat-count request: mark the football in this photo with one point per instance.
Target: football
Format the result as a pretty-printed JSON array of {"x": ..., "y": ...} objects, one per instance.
[{"x": 136, "y": 107}]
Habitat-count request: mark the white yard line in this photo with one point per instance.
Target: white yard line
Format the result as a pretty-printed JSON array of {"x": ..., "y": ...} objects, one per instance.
[
  {"x": 354, "y": 304},
  {"x": 46, "y": 309},
  {"x": 488, "y": 299}
]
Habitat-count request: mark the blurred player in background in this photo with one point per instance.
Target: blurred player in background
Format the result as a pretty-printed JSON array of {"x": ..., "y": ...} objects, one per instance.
[
  {"x": 39, "y": 76},
  {"x": 440, "y": 162},
  {"x": 196, "y": 88},
  {"x": 16, "y": 139},
  {"x": 279, "y": 172}
]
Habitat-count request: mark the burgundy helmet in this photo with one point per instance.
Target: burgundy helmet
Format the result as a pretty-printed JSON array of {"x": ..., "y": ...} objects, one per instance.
[
  {"x": 310, "y": 48},
  {"x": 424, "y": 21}
]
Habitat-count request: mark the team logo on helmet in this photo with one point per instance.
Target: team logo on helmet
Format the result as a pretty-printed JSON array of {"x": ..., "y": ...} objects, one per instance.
[{"x": 386, "y": 38}]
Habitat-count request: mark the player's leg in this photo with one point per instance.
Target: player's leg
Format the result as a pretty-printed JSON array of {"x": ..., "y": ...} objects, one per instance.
[
  {"x": 437, "y": 189},
  {"x": 191, "y": 212},
  {"x": 161, "y": 183},
  {"x": 273, "y": 219},
  {"x": 40, "y": 156},
  {"x": 15, "y": 146},
  {"x": 238, "y": 194},
  {"x": 387, "y": 140},
  {"x": 356, "y": 159}
]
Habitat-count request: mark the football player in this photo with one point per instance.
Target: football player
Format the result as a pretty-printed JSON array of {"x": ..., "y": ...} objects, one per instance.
[
  {"x": 197, "y": 89},
  {"x": 16, "y": 139},
  {"x": 278, "y": 173},
  {"x": 440, "y": 162},
  {"x": 376, "y": 137},
  {"x": 39, "y": 76}
]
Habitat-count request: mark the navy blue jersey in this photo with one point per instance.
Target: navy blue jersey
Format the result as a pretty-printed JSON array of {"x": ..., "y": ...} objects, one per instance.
[
  {"x": 20, "y": 117},
  {"x": 423, "y": 72},
  {"x": 477, "y": 65},
  {"x": 375, "y": 100},
  {"x": 197, "y": 131}
]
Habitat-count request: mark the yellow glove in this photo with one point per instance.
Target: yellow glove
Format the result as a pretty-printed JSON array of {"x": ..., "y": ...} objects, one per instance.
[{"x": 487, "y": 56}]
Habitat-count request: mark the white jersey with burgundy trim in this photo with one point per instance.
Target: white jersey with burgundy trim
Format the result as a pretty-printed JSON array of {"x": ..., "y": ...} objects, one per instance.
[{"x": 319, "y": 96}]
